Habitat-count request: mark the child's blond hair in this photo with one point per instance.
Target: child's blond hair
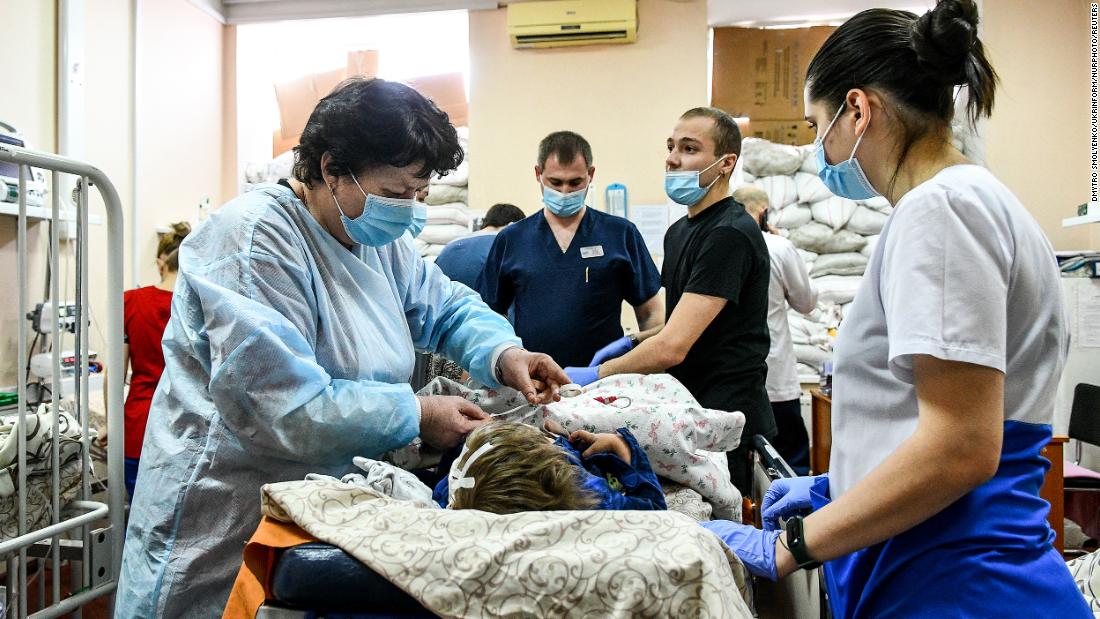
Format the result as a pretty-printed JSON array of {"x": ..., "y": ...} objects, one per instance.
[{"x": 522, "y": 472}]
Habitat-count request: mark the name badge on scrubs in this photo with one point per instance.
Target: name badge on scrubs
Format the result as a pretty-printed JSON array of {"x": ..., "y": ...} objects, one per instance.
[{"x": 594, "y": 251}]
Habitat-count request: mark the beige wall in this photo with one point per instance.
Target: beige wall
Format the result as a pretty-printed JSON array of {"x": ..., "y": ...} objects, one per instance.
[
  {"x": 182, "y": 145},
  {"x": 1037, "y": 139},
  {"x": 623, "y": 98}
]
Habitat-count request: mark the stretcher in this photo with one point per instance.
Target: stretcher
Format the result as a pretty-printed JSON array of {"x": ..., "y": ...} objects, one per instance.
[{"x": 316, "y": 580}]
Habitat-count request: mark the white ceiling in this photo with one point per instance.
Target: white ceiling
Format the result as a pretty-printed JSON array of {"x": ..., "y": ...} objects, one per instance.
[
  {"x": 783, "y": 12},
  {"x": 720, "y": 12}
]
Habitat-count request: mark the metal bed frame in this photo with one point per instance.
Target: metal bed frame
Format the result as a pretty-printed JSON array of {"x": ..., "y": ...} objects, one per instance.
[{"x": 93, "y": 556}]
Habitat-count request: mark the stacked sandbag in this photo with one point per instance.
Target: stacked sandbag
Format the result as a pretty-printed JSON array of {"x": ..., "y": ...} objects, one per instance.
[
  {"x": 835, "y": 236},
  {"x": 449, "y": 214}
]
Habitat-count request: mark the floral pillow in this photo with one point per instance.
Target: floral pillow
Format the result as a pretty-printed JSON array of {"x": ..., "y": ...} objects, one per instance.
[{"x": 684, "y": 441}]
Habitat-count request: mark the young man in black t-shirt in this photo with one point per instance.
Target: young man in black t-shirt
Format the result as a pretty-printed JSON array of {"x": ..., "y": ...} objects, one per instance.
[{"x": 716, "y": 273}]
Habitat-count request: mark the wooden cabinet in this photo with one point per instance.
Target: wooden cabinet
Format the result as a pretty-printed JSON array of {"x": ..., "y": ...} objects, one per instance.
[{"x": 821, "y": 442}]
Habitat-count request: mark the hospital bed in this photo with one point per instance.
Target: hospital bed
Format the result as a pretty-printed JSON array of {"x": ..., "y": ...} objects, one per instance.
[
  {"x": 315, "y": 580},
  {"x": 59, "y": 532}
]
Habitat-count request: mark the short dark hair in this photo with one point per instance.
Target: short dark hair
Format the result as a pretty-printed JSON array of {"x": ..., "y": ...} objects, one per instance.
[
  {"x": 565, "y": 145},
  {"x": 366, "y": 123},
  {"x": 501, "y": 215},
  {"x": 726, "y": 133}
]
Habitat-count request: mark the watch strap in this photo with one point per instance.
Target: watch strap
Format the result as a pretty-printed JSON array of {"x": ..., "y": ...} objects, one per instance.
[{"x": 796, "y": 543}]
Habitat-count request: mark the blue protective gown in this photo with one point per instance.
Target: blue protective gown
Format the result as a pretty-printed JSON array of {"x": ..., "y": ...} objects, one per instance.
[{"x": 286, "y": 354}]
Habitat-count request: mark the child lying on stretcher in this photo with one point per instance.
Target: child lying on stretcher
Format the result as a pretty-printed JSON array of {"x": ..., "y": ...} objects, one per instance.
[{"x": 507, "y": 467}]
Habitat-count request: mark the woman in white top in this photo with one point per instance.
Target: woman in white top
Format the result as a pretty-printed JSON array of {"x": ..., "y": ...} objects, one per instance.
[{"x": 947, "y": 364}]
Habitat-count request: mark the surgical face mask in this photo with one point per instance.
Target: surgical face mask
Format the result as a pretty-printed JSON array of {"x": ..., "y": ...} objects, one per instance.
[
  {"x": 845, "y": 179},
  {"x": 682, "y": 186},
  {"x": 564, "y": 204},
  {"x": 383, "y": 220}
]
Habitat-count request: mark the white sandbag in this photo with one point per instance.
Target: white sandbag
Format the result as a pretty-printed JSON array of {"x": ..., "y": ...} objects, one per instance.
[
  {"x": 790, "y": 216},
  {"x": 764, "y": 158},
  {"x": 869, "y": 249},
  {"x": 453, "y": 213},
  {"x": 866, "y": 221},
  {"x": 441, "y": 234},
  {"x": 833, "y": 211},
  {"x": 781, "y": 190},
  {"x": 811, "y": 236},
  {"x": 810, "y": 188},
  {"x": 281, "y": 167},
  {"x": 838, "y": 289},
  {"x": 842, "y": 241},
  {"x": 446, "y": 194},
  {"x": 807, "y": 256},
  {"x": 877, "y": 203},
  {"x": 812, "y": 355},
  {"x": 809, "y": 159},
  {"x": 456, "y": 178},
  {"x": 839, "y": 264}
]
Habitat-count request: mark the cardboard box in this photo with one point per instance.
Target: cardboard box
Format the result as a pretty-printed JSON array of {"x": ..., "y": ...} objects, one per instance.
[
  {"x": 793, "y": 132},
  {"x": 298, "y": 97},
  {"x": 760, "y": 73},
  {"x": 448, "y": 91}
]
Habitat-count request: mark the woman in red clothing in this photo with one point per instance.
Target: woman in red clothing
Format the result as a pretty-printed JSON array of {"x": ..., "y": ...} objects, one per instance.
[{"x": 145, "y": 314}]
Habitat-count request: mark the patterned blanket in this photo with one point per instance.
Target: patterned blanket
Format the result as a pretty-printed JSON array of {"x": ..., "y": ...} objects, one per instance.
[{"x": 537, "y": 564}]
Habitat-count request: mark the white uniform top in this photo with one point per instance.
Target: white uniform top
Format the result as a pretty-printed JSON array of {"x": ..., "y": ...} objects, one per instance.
[
  {"x": 790, "y": 283},
  {"x": 962, "y": 272}
]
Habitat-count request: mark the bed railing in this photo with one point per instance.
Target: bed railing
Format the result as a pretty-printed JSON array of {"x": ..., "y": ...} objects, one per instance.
[{"x": 85, "y": 535}]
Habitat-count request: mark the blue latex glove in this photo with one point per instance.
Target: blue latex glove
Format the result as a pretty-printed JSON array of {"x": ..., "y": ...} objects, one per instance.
[
  {"x": 615, "y": 349},
  {"x": 786, "y": 498},
  {"x": 583, "y": 376},
  {"x": 755, "y": 547}
]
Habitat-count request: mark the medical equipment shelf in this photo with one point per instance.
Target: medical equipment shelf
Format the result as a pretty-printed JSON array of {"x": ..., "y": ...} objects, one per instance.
[
  {"x": 1091, "y": 216},
  {"x": 93, "y": 559}
]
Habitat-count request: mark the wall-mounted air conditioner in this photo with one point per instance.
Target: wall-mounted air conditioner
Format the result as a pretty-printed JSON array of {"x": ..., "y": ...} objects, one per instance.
[{"x": 561, "y": 23}]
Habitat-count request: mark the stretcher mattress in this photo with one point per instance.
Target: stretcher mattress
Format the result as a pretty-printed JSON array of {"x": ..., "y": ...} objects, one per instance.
[{"x": 322, "y": 577}]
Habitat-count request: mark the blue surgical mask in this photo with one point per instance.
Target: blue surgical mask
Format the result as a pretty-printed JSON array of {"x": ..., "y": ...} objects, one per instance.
[
  {"x": 564, "y": 204},
  {"x": 845, "y": 179},
  {"x": 682, "y": 186},
  {"x": 383, "y": 220}
]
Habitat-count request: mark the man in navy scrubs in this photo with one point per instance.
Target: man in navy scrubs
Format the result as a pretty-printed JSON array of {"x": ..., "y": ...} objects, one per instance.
[{"x": 568, "y": 268}]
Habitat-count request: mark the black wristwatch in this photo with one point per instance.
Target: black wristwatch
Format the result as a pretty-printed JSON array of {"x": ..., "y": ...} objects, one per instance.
[
  {"x": 796, "y": 543},
  {"x": 634, "y": 339}
]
